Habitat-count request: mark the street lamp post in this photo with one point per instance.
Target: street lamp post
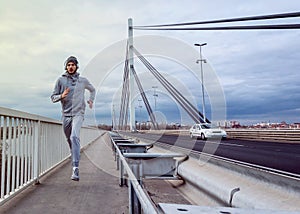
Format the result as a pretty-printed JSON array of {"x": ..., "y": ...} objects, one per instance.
[
  {"x": 140, "y": 114},
  {"x": 140, "y": 106},
  {"x": 155, "y": 96},
  {"x": 202, "y": 60}
]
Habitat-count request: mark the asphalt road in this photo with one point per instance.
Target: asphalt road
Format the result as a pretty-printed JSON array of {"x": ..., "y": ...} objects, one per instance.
[{"x": 275, "y": 155}]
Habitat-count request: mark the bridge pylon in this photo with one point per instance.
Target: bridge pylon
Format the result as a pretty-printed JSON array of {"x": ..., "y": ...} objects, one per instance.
[{"x": 131, "y": 77}]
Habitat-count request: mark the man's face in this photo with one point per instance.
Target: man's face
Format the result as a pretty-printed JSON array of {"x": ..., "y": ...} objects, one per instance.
[{"x": 71, "y": 68}]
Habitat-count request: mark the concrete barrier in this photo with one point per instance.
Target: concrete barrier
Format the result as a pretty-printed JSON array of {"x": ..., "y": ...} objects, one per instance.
[
  {"x": 225, "y": 183},
  {"x": 230, "y": 186}
]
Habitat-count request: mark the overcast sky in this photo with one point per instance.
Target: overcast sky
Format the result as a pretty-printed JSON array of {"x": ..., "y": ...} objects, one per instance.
[{"x": 258, "y": 71}]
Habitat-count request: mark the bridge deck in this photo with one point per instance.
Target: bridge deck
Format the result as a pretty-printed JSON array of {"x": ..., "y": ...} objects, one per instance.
[{"x": 96, "y": 192}]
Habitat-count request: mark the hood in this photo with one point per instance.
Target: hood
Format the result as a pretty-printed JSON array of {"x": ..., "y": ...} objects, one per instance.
[{"x": 72, "y": 76}]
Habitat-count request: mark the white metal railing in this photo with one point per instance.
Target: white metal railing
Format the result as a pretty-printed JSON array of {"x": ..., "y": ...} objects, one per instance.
[{"x": 31, "y": 146}]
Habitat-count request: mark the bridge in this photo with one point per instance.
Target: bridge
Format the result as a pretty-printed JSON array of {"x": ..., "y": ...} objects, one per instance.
[
  {"x": 161, "y": 177},
  {"x": 35, "y": 174}
]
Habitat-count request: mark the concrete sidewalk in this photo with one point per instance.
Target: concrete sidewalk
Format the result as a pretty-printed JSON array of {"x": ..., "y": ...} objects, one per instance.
[{"x": 97, "y": 191}]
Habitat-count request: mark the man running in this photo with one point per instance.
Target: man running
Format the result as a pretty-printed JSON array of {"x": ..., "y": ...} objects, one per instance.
[{"x": 69, "y": 90}]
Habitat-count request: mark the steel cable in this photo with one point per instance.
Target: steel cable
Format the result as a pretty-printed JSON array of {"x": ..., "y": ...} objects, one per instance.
[
  {"x": 253, "y": 27},
  {"x": 251, "y": 18},
  {"x": 125, "y": 94},
  {"x": 189, "y": 108},
  {"x": 145, "y": 100}
]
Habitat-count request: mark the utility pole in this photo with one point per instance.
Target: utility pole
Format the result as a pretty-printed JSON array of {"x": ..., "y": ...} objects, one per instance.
[{"x": 131, "y": 77}]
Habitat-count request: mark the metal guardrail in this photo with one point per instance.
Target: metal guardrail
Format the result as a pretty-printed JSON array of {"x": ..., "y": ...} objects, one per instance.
[
  {"x": 284, "y": 135},
  {"x": 291, "y": 135},
  {"x": 136, "y": 192},
  {"x": 139, "y": 166},
  {"x": 30, "y": 147},
  {"x": 220, "y": 191}
]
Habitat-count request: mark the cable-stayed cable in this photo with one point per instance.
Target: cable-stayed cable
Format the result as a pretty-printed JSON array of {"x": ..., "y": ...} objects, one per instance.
[
  {"x": 253, "y": 27},
  {"x": 125, "y": 95},
  {"x": 193, "y": 113},
  {"x": 249, "y": 18},
  {"x": 187, "y": 106},
  {"x": 124, "y": 102},
  {"x": 189, "y": 110},
  {"x": 145, "y": 100}
]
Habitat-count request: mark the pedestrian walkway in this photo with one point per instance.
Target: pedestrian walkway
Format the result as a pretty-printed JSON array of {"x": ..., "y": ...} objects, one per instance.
[{"x": 96, "y": 192}]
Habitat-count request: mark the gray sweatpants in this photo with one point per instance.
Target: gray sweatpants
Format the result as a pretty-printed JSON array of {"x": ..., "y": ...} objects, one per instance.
[{"x": 72, "y": 126}]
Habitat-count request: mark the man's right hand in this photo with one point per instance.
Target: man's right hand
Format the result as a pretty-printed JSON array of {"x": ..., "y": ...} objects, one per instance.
[{"x": 65, "y": 93}]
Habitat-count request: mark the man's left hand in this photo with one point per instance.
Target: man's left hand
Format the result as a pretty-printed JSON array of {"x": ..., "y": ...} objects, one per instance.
[{"x": 90, "y": 104}]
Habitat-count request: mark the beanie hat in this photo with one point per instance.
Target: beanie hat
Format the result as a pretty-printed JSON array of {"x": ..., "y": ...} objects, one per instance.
[{"x": 71, "y": 59}]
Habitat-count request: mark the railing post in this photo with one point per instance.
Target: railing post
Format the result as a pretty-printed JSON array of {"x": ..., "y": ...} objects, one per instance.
[
  {"x": 122, "y": 179},
  {"x": 8, "y": 153},
  {"x": 36, "y": 155},
  {"x": 134, "y": 203},
  {"x": 3, "y": 178}
]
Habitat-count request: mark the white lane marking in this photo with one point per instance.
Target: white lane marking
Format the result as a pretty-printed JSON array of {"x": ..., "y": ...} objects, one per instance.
[{"x": 227, "y": 144}]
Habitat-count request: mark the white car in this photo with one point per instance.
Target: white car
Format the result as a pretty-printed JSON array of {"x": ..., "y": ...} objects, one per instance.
[{"x": 205, "y": 131}]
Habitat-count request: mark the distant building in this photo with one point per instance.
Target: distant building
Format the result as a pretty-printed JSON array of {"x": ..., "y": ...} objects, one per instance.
[
  {"x": 295, "y": 125},
  {"x": 235, "y": 124}
]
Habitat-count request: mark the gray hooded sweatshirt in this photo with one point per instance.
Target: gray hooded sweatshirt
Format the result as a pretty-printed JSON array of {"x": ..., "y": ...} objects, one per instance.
[{"x": 74, "y": 103}]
